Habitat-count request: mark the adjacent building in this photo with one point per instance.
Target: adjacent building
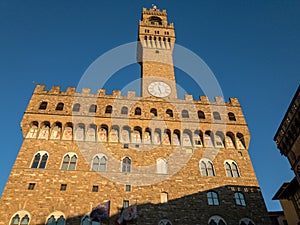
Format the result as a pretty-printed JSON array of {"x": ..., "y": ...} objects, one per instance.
[
  {"x": 170, "y": 161},
  {"x": 287, "y": 139}
]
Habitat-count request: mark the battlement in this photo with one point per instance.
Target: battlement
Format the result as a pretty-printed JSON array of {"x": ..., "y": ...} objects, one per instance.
[
  {"x": 155, "y": 17},
  {"x": 154, "y": 11},
  {"x": 86, "y": 92}
]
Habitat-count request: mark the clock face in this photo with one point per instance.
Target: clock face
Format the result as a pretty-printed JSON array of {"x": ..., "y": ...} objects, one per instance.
[{"x": 159, "y": 89}]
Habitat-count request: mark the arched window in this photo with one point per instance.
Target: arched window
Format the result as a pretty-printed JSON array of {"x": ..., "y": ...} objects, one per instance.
[
  {"x": 176, "y": 137},
  {"x": 32, "y": 133},
  {"x": 136, "y": 135},
  {"x": 185, "y": 114},
  {"x": 69, "y": 161},
  {"x": 164, "y": 222},
  {"x": 43, "y": 105},
  {"x": 219, "y": 139},
  {"x": 44, "y": 131},
  {"x": 56, "y": 220},
  {"x": 137, "y": 111},
  {"x": 72, "y": 164},
  {"x": 91, "y": 133},
  {"x": 38, "y": 161},
  {"x": 44, "y": 161},
  {"x": 125, "y": 134},
  {"x": 93, "y": 108},
  {"x": 231, "y": 169},
  {"x": 68, "y": 132},
  {"x": 228, "y": 170},
  {"x": 56, "y": 131},
  {"x": 61, "y": 221},
  {"x": 147, "y": 136},
  {"x": 201, "y": 115},
  {"x": 15, "y": 220},
  {"x": 157, "y": 137},
  {"x": 124, "y": 110},
  {"x": 208, "y": 138},
  {"x": 76, "y": 107},
  {"x": 153, "y": 112},
  {"x": 66, "y": 162},
  {"x": 198, "y": 138},
  {"x": 186, "y": 138},
  {"x": 60, "y": 106},
  {"x": 169, "y": 112},
  {"x": 80, "y": 132},
  {"x": 102, "y": 133},
  {"x": 155, "y": 20},
  {"x": 51, "y": 221},
  {"x": 20, "y": 218},
  {"x": 212, "y": 198},
  {"x": 216, "y": 116},
  {"x": 161, "y": 166},
  {"x": 231, "y": 116},
  {"x": 216, "y": 220},
  {"x": 246, "y": 221},
  {"x": 99, "y": 163},
  {"x": 229, "y": 139},
  {"x": 239, "y": 199},
  {"x": 207, "y": 167},
  {"x": 108, "y": 109},
  {"x": 126, "y": 165},
  {"x": 25, "y": 220},
  {"x": 114, "y": 134}
]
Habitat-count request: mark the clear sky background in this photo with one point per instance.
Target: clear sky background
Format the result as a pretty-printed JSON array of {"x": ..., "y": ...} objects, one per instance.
[{"x": 253, "y": 48}]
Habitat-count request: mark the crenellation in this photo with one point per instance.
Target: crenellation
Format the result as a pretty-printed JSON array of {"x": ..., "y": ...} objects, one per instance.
[
  {"x": 71, "y": 94},
  {"x": 101, "y": 92},
  {"x": 54, "y": 90},
  {"x": 155, "y": 12},
  {"x": 131, "y": 95},
  {"x": 219, "y": 100},
  {"x": 116, "y": 93},
  {"x": 234, "y": 101},
  {"x": 40, "y": 88},
  {"x": 86, "y": 91},
  {"x": 204, "y": 99},
  {"x": 188, "y": 98},
  {"x": 71, "y": 90}
]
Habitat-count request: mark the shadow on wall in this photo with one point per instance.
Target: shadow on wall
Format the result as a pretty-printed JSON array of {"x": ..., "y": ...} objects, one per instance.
[{"x": 227, "y": 205}]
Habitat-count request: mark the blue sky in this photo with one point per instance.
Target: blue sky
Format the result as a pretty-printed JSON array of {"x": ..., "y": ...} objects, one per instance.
[{"x": 253, "y": 48}]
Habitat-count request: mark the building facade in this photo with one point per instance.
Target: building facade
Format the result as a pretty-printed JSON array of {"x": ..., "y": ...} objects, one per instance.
[
  {"x": 177, "y": 161},
  {"x": 287, "y": 139},
  {"x": 277, "y": 218}
]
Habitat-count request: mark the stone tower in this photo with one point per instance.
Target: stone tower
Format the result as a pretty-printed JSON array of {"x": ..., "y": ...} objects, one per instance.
[
  {"x": 153, "y": 159},
  {"x": 157, "y": 38}
]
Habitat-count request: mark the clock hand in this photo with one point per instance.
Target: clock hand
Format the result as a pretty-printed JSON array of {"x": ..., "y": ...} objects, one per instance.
[{"x": 159, "y": 89}]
